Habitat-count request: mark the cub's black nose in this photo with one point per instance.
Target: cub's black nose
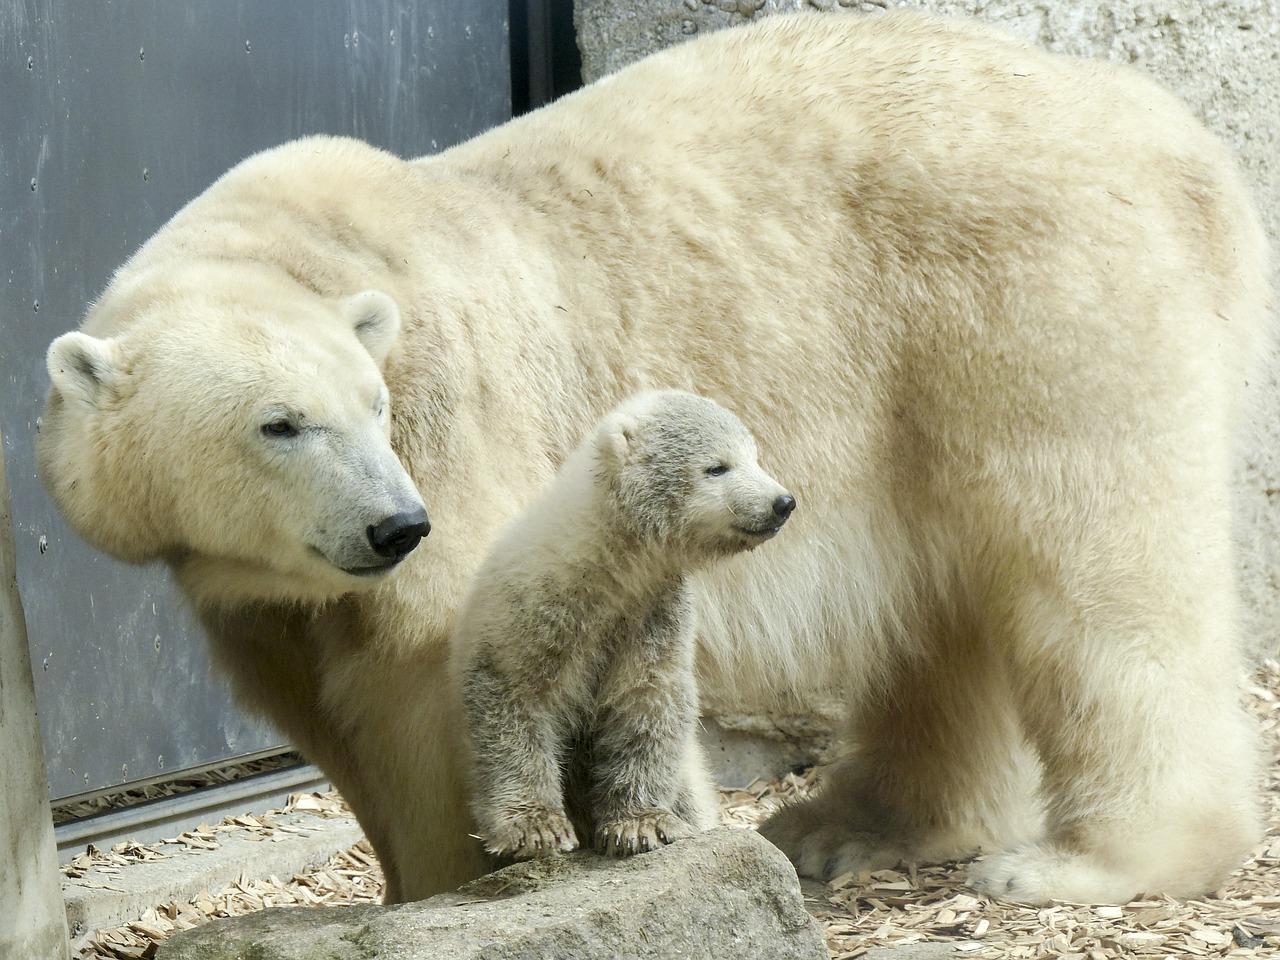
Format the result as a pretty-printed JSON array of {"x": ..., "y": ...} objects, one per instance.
[
  {"x": 397, "y": 535},
  {"x": 783, "y": 506}
]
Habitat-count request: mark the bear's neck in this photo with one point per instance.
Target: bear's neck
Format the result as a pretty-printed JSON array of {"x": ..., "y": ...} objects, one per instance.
[{"x": 624, "y": 561}]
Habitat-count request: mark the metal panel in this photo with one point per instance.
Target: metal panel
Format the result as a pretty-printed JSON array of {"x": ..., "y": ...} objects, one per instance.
[{"x": 112, "y": 115}]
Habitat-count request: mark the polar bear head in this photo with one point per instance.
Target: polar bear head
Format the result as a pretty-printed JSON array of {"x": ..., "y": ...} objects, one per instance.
[
  {"x": 247, "y": 445},
  {"x": 681, "y": 471}
]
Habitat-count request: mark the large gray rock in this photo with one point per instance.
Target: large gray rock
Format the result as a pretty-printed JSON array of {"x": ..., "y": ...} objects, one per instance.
[
  {"x": 726, "y": 894},
  {"x": 1221, "y": 56}
]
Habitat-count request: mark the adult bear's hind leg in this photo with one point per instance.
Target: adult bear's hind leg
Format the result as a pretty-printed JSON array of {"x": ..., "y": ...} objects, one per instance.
[
  {"x": 937, "y": 769},
  {"x": 1130, "y": 694}
]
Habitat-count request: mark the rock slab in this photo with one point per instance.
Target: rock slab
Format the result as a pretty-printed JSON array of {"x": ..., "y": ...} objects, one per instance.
[{"x": 723, "y": 895}]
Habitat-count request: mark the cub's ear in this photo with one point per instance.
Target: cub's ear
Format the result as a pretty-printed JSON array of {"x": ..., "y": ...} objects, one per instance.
[
  {"x": 615, "y": 438},
  {"x": 83, "y": 368},
  {"x": 376, "y": 320}
]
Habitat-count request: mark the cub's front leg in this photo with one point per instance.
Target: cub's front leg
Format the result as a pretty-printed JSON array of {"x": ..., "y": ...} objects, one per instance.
[
  {"x": 517, "y": 798},
  {"x": 648, "y": 787}
]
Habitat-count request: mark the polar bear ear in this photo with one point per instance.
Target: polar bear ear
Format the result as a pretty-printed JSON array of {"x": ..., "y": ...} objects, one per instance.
[
  {"x": 82, "y": 367},
  {"x": 375, "y": 318},
  {"x": 614, "y": 441}
]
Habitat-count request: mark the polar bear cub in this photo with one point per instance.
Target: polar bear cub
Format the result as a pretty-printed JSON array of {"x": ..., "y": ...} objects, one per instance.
[{"x": 574, "y": 649}]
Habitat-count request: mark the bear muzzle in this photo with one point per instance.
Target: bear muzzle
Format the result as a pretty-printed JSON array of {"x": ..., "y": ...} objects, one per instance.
[
  {"x": 782, "y": 508},
  {"x": 395, "y": 537}
]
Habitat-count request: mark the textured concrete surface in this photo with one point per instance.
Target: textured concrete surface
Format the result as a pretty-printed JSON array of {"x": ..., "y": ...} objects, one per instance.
[
  {"x": 31, "y": 922},
  {"x": 743, "y": 748},
  {"x": 724, "y": 894},
  {"x": 1221, "y": 56}
]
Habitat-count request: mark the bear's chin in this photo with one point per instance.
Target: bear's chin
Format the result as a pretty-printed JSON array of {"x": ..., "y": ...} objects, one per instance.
[
  {"x": 733, "y": 541},
  {"x": 215, "y": 581}
]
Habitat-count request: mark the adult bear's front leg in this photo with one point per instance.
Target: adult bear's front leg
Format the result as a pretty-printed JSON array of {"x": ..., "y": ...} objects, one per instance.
[{"x": 403, "y": 727}]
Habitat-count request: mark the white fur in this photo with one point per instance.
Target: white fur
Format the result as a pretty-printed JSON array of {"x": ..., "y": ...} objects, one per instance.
[
  {"x": 992, "y": 310},
  {"x": 573, "y": 651}
]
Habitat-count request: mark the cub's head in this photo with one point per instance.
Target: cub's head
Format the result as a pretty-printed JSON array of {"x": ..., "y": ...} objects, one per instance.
[
  {"x": 682, "y": 469},
  {"x": 236, "y": 427}
]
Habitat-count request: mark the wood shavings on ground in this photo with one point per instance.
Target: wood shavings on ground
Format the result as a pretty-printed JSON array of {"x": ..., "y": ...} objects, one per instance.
[
  {"x": 65, "y": 812},
  {"x": 917, "y": 903},
  {"x": 931, "y": 903},
  {"x": 352, "y": 876}
]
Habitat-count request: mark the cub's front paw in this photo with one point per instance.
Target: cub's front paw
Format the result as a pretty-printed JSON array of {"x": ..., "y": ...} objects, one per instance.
[
  {"x": 624, "y": 836},
  {"x": 524, "y": 836}
]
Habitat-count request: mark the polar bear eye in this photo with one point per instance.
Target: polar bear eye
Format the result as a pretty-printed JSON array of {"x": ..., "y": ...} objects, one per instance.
[
  {"x": 718, "y": 470},
  {"x": 279, "y": 428}
]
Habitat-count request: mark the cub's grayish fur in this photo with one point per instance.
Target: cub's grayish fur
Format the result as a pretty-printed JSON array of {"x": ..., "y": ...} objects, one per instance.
[{"x": 574, "y": 649}]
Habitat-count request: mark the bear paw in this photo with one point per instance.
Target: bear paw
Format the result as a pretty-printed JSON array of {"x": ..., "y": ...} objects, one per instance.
[
  {"x": 528, "y": 835},
  {"x": 1038, "y": 873},
  {"x": 824, "y": 851},
  {"x": 625, "y": 836}
]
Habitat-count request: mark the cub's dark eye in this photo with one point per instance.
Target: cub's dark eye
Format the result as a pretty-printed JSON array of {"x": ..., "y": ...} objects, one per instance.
[
  {"x": 718, "y": 470},
  {"x": 279, "y": 429}
]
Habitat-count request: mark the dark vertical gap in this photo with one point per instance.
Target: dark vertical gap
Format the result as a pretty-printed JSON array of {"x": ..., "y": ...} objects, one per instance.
[
  {"x": 566, "y": 60},
  {"x": 545, "y": 62}
]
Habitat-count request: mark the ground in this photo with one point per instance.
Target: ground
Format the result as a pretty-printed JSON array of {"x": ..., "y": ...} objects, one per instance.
[{"x": 888, "y": 908}]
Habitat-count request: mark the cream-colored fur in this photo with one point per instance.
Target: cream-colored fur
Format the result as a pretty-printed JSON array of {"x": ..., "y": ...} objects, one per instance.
[
  {"x": 990, "y": 310},
  {"x": 574, "y": 648}
]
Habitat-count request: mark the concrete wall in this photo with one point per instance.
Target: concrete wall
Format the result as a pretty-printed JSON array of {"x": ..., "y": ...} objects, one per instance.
[
  {"x": 32, "y": 922},
  {"x": 1221, "y": 56}
]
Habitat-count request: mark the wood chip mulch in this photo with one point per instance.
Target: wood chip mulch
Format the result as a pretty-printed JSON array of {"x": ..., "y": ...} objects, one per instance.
[
  {"x": 167, "y": 788},
  {"x": 918, "y": 903}
]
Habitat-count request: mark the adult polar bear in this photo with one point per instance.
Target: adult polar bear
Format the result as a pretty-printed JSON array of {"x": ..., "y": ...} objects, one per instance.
[{"x": 993, "y": 311}]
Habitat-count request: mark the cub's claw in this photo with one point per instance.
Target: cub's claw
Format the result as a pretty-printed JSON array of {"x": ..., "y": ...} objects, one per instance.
[
  {"x": 627, "y": 836},
  {"x": 526, "y": 836}
]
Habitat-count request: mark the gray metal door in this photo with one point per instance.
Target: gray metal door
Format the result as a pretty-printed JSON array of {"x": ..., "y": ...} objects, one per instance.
[{"x": 112, "y": 115}]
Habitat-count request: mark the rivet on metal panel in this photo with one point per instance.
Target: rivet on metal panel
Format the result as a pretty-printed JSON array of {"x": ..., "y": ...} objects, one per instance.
[
  {"x": 160, "y": 761},
  {"x": 31, "y": 63},
  {"x": 44, "y": 664},
  {"x": 157, "y": 643},
  {"x": 393, "y": 38},
  {"x": 355, "y": 38},
  {"x": 246, "y": 47},
  {"x": 145, "y": 174},
  {"x": 124, "y": 771},
  {"x": 346, "y": 40},
  {"x": 142, "y": 53},
  {"x": 43, "y": 543},
  {"x": 33, "y": 184},
  {"x": 36, "y": 306}
]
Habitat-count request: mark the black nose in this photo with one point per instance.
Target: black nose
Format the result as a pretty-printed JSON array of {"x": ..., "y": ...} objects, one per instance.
[
  {"x": 783, "y": 506},
  {"x": 399, "y": 534}
]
